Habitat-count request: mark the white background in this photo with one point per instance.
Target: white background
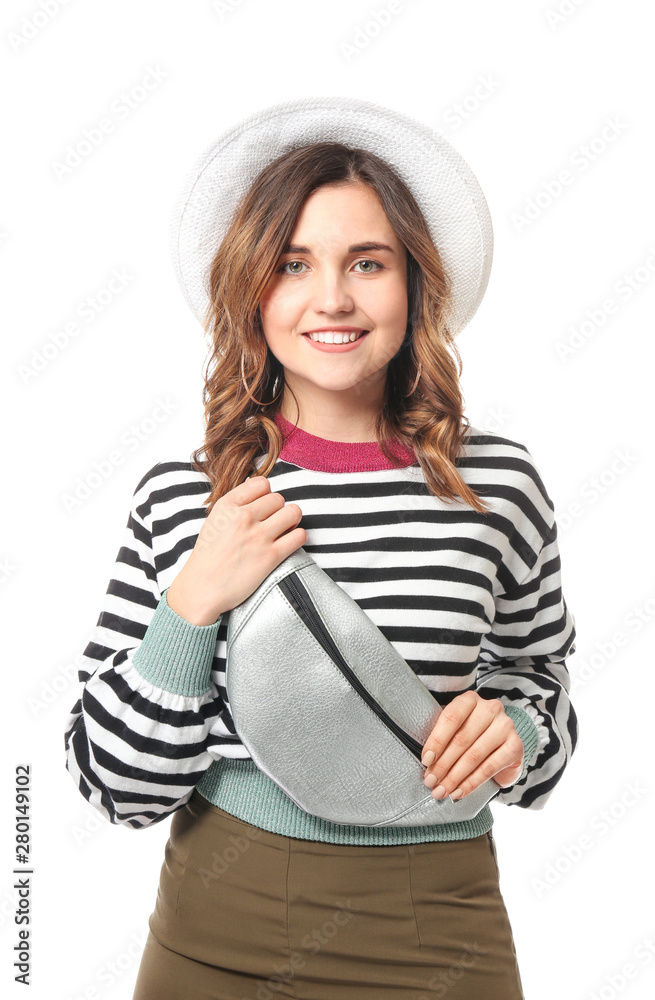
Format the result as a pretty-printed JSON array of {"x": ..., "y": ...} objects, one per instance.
[{"x": 536, "y": 87}]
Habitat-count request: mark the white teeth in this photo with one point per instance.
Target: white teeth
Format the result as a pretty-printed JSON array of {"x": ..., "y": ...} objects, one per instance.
[{"x": 334, "y": 338}]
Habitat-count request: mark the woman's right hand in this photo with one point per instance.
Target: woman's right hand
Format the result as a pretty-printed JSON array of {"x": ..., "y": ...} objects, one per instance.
[{"x": 245, "y": 536}]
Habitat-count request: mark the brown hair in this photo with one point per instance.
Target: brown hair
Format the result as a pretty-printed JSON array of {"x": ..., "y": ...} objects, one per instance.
[{"x": 422, "y": 405}]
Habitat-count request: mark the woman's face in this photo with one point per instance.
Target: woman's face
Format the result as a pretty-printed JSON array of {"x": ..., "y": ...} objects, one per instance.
[{"x": 327, "y": 280}]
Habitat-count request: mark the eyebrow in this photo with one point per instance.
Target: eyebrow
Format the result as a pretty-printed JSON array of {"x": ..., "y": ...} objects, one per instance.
[{"x": 354, "y": 248}]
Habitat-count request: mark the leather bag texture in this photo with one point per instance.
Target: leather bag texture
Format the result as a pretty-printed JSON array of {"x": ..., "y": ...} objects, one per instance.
[{"x": 328, "y": 709}]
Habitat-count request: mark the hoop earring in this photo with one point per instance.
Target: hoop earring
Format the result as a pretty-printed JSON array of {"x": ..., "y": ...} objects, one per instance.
[
  {"x": 413, "y": 389},
  {"x": 243, "y": 379}
]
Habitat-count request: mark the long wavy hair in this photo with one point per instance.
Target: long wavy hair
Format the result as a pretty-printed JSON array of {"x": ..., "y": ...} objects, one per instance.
[{"x": 422, "y": 404}]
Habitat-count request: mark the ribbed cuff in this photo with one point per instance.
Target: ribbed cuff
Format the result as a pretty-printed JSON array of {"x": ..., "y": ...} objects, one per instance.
[
  {"x": 176, "y": 655},
  {"x": 527, "y": 730}
]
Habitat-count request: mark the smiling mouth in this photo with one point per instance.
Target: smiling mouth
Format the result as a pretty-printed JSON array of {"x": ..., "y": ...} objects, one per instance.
[{"x": 336, "y": 337}]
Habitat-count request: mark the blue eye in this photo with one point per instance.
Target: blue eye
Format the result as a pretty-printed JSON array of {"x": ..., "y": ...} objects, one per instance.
[{"x": 281, "y": 270}]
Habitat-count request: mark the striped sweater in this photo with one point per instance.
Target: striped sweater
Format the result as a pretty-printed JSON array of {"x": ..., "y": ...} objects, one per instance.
[{"x": 469, "y": 600}]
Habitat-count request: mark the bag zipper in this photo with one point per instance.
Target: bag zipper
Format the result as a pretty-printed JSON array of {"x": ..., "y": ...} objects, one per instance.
[{"x": 301, "y": 602}]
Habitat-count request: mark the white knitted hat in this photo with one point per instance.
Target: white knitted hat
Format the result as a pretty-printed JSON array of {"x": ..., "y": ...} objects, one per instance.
[{"x": 442, "y": 183}]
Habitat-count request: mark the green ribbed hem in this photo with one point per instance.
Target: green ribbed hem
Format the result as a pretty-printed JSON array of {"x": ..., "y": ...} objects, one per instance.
[
  {"x": 239, "y": 787},
  {"x": 527, "y": 730},
  {"x": 176, "y": 655}
]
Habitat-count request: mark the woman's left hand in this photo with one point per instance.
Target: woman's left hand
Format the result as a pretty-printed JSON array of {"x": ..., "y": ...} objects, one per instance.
[{"x": 474, "y": 739}]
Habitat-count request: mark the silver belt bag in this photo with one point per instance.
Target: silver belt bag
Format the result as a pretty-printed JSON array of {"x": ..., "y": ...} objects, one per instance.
[{"x": 328, "y": 709}]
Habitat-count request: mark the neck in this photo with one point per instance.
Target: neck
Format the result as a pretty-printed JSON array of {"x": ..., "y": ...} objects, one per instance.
[{"x": 329, "y": 426}]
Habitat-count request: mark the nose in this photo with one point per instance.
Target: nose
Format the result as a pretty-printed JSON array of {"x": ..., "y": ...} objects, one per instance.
[{"x": 330, "y": 293}]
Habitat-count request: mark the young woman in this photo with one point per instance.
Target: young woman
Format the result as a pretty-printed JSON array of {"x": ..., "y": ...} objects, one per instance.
[{"x": 332, "y": 250}]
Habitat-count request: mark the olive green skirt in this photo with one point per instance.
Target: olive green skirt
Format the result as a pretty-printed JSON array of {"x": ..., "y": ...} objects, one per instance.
[{"x": 245, "y": 914}]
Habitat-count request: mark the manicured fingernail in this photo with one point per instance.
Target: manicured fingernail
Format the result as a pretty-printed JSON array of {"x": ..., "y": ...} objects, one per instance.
[
  {"x": 457, "y": 794},
  {"x": 430, "y": 780},
  {"x": 428, "y": 758},
  {"x": 438, "y": 792}
]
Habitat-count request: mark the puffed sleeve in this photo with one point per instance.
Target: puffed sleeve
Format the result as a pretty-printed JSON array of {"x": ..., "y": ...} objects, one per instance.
[
  {"x": 522, "y": 662},
  {"x": 148, "y": 720}
]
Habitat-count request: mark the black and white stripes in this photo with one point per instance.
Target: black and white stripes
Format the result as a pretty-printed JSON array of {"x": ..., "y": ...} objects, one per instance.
[{"x": 469, "y": 600}]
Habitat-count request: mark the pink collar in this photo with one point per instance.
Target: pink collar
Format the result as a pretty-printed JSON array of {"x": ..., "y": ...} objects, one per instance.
[{"x": 320, "y": 455}]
